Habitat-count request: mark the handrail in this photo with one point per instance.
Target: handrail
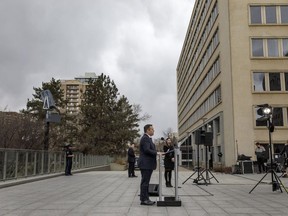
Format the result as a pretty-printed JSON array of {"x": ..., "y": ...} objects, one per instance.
[{"x": 19, "y": 163}]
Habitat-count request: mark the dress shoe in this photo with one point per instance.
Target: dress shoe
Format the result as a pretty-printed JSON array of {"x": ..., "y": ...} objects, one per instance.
[
  {"x": 147, "y": 202},
  {"x": 134, "y": 176}
]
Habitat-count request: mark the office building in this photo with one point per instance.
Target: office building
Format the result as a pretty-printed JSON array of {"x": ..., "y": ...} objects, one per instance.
[{"x": 234, "y": 57}]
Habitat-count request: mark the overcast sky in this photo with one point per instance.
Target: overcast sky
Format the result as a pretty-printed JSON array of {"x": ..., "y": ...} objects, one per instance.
[{"x": 136, "y": 42}]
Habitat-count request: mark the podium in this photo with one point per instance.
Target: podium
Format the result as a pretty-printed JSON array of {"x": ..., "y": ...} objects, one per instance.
[{"x": 169, "y": 200}]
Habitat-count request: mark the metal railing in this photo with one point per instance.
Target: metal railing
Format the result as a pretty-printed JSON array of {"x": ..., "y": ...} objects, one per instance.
[{"x": 19, "y": 163}]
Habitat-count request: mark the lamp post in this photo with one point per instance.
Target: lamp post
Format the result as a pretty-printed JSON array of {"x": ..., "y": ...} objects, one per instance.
[{"x": 46, "y": 135}]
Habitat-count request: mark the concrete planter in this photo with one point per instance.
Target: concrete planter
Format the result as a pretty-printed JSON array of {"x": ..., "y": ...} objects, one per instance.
[{"x": 117, "y": 167}]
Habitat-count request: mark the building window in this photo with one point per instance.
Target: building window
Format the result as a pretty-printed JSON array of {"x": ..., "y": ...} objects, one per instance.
[
  {"x": 259, "y": 82},
  {"x": 284, "y": 13},
  {"x": 269, "y": 47},
  {"x": 270, "y": 14},
  {"x": 274, "y": 81},
  {"x": 286, "y": 81},
  {"x": 272, "y": 45},
  {"x": 257, "y": 47},
  {"x": 286, "y": 112},
  {"x": 259, "y": 123},
  {"x": 213, "y": 100},
  {"x": 277, "y": 117},
  {"x": 255, "y": 14},
  {"x": 285, "y": 47},
  {"x": 270, "y": 81},
  {"x": 217, "y": 125},
  {"x": 218, "y": 95}
]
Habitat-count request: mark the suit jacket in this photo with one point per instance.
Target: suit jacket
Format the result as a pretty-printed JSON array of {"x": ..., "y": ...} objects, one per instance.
[
  {"x": 131, "y": 155},
  {"x": 148, "y": 153}
]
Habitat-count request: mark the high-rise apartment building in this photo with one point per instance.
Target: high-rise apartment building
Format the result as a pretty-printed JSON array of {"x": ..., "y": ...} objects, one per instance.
[
  {"x": 73, "y": 91},
  {"x": 234, "y": 57}
]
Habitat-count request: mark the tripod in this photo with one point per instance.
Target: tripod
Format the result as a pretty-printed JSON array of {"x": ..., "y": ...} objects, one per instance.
[
  {"x": 206, "y": 170},
  {"x": 277, "y": 183},
  {"x": 197, "y": 170}
]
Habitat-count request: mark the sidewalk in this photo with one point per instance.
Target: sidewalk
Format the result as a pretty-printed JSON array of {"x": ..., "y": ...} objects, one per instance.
[{"x": 112, "y": 193}]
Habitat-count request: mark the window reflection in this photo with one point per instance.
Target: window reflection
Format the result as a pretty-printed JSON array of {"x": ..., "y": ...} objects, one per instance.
[
  {"x": 257, "y": 47},
  {"x": 285, "y": 47},
  {"x": 274, "y": 81},
  {"x": 284, "y": 14},
  {"x": 272, "y": 47},
  {"x": 259, "y": 82},
  {"x": 259, "y": 123},
  {"x": 271, "y": 14},
  {"x": 255, "y": 14},
  {"x": 286, "y": 81},
  {"x": 277, "y": 116}
]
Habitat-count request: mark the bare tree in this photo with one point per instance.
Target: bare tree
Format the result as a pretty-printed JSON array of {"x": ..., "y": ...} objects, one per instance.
[
  {"x": 138, "y": 110},
  {"x": 19, "y": 131},
  {"x": 168, "y": 132}
]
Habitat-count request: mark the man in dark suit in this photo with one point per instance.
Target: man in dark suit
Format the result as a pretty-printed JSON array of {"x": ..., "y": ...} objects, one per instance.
[
  {"x": 131, "y": 161},
  {"x": 147, "y": 163}
]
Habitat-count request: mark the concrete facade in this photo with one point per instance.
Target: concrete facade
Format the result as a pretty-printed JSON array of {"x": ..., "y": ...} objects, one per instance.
[{"x": 227, "y": 50}]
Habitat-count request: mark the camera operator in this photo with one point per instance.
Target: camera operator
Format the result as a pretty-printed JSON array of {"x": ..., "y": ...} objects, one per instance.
[{"x": 285, "y": 152}]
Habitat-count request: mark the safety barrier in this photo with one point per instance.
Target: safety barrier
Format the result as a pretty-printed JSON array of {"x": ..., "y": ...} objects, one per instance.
[{"x": 19, "y": 163}]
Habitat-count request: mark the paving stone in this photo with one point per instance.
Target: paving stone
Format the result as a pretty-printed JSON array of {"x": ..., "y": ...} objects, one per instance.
[{"x": 112, "y": 193}]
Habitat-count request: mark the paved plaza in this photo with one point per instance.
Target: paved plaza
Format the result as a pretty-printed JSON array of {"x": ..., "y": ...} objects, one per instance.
[{"x": 112, "y": 193}]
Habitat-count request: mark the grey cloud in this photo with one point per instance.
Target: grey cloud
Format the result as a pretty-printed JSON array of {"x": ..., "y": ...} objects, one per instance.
[{"x": 137, "y": 43}]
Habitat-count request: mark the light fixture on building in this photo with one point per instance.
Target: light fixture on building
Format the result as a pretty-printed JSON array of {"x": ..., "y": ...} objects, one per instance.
[{"x": 265, "y": 112}]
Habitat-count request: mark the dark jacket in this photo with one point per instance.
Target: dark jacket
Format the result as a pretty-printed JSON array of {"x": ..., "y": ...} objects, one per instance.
[
  {"x": 285, "y": 150},
  {"x": 131, "y": 155},
  {"x": 148, "y": 153},
  {"x": 68, "y": 153},
  {"x": 168, "y": 163}
]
